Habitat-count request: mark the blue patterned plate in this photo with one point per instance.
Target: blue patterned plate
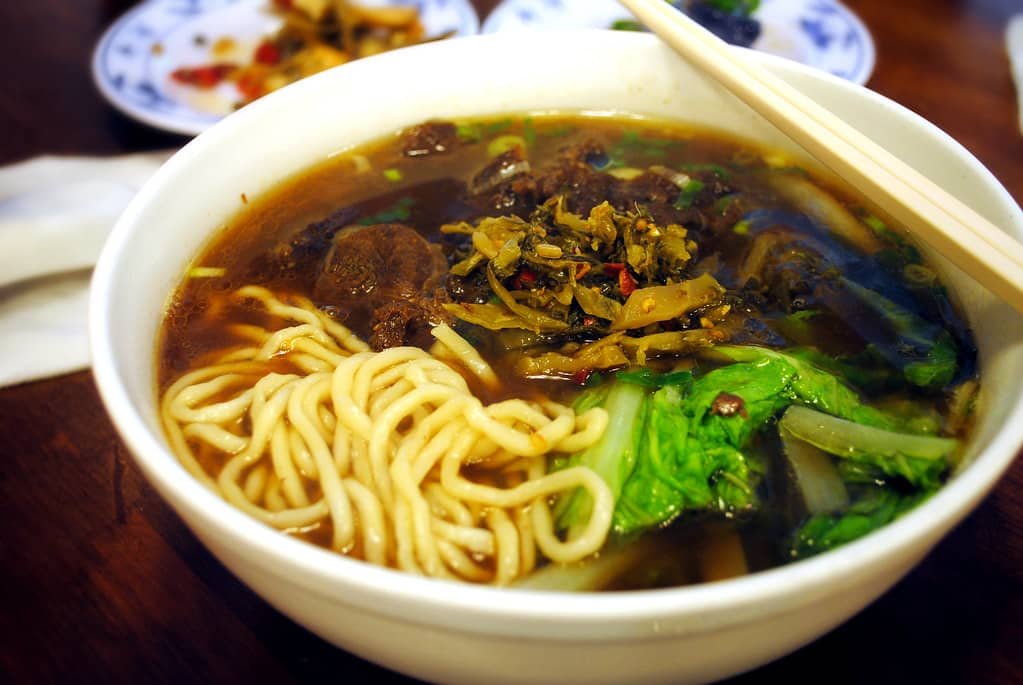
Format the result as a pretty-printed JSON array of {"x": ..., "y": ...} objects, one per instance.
[
  {"x": 820, "y": 33},
  {"x": 135, "y": 57}
]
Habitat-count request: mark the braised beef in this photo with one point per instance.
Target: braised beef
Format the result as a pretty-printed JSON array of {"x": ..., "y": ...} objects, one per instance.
[
  {"x": 370, "y": 270},
  {"x": 402, "y": 323},
  {"x": 573, "y": 175},
  {"x": 301, "y": 252},
  {"x": 646, "y": 188},
  {"x": 431, "y": 138},
  {"x": 505, "y": 185}
]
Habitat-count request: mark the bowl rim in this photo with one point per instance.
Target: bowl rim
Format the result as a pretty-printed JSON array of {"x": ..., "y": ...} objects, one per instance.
[{"x": 508, "y": 611}]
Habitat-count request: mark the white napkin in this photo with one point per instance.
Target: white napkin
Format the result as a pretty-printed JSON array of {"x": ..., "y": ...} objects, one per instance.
[{"x": 55, "y": 214}]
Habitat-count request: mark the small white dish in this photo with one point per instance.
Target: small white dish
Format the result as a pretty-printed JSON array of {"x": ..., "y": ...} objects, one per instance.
[
  {"x": 820, "y": 33},
  {"x": 133, "y": 61}
]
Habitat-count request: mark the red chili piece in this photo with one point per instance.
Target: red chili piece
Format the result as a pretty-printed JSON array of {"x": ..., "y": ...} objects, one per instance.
[
  {"x": 203, "y": 77},
  {"x": 524, "y": 278},
  {"x": 626, "y": 282},
  {"x": 581, "y": 376},
  {"x": 267, "y": 53},
  {"x": 250, "y": 86}
]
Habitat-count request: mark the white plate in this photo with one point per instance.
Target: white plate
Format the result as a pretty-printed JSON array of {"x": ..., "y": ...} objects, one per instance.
[
  {"x": 133, "y": 60},
  {"x": 820, "y": 33}
]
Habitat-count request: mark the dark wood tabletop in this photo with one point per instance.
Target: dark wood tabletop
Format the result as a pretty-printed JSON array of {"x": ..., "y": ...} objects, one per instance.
[{"x": 101, "y": 582}]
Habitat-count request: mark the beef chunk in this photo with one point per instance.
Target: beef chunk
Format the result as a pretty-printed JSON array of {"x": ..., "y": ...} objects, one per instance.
[
  {"x": 371, "y": 270},
  {"x": 402, "y": 323},
  {"x": 431, "y": 138},
  {"x": 504, "y": 186},
  {"x": 301, "y": 252},
  {"x": 647, "y": 188},
  {"x": 573, "y": 175}
]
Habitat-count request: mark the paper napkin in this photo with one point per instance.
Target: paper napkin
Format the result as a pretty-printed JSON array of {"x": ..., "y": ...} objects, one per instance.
[{"x": 55, "y": 214}]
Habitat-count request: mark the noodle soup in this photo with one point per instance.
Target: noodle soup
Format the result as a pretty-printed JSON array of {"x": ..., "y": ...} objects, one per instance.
[{"x": 566, "y": 352}]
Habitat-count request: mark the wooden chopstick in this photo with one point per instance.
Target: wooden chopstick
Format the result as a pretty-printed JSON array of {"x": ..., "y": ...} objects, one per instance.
[{"x": 954, "y": 230}]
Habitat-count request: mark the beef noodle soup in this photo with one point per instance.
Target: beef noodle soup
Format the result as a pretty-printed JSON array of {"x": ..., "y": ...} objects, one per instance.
[{"x": 566, "y": 352}]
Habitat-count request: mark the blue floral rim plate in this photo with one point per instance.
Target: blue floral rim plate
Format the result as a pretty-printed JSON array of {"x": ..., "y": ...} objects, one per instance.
[
  {"x": 133, "y": 60},
  {"x": 821, "y": 33}
]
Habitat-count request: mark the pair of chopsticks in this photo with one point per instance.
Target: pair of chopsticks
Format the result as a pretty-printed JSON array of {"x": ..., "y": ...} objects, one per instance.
[
  {"x": 1014, "y": 47},
  {"x": 934, "y": 216}
]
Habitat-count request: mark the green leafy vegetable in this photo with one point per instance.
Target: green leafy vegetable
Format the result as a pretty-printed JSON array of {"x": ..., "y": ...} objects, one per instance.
[
  {"x": 614, "y": 455},
  {"x": 818, "y": 480},
  {"x": 649, "y": 378},
  {"x": 811, "y": 385},
  {"x": 922, "y": 460},
  {"x": 691, "y": 456},
  {"x": 866, "y": 370},
  {"x": 876, "y": 508},
  {"x": 929, "y": 353}
]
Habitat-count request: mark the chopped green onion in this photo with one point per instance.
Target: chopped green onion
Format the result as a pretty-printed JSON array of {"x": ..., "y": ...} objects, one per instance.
[
  {"x": 501, "y": 144},
  {"x": 741, "y": 227},
  {"x": 206, "y": 272},
  {"x": 688, "y": 194},
  {"x": 392, "y": 175},
  {"x": 627, "y": 25},
  {"x": 399, "y": 211},
  {"x": 724, "y": 202},
  {"x": 873, "y": 222},
  {"x": 497, "y": 127},
  {"x": 716, "y": 169},
  {"x": 559, "y": 131},
  {"x": 470, "y": 133},
  {"x": 529, "y": 131},
  {"x": 626, "y": 173}
]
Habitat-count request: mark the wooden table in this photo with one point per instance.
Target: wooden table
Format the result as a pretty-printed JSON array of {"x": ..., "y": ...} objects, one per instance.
[{"x": 102, "y": 583}]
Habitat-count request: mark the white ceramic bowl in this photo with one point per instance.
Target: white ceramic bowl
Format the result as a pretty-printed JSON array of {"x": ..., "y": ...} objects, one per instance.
[{"x": 452, "y": 632}]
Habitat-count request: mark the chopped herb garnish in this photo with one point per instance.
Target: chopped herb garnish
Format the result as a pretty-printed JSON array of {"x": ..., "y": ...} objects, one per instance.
[
  {"x": 399, "y": 211},
  {"x": 875, "y": 224},
  {"x": 469, "y": 133},
  {"x": 559, "y": 131},
  {"x": 528, "y": 131},
  {"x": 715, "y": 169},
  {"x": 688, "y": 194},
  {"x": 627, "y": 25},
  {"x": 497, "y": 127},
  {"x": 742, "y": 8},
  {"x": 741, "y": 227},
  {"x": 724, "y": 202},
  {"x": 634, "y": 144},
  {"x": 206, "y": 272},
  {"x": 392, "y": 175},
  {"x": 502, "y": 144}
]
